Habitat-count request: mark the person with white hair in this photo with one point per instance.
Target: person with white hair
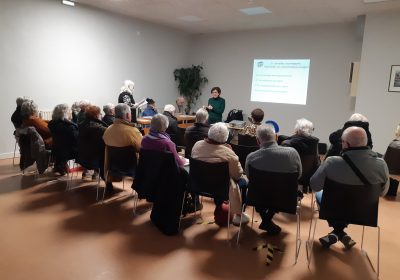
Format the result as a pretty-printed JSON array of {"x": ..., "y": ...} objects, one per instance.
[
  {"x": 126, "y": 96},
  {"x": 16, "y": 117},
  {"x": 355, "y": 119},
  {"x": 197, "y": 132},
  {"x": 336, "y": 168},
  {"x": 274, "y": 158},
  {"x": 215, "y": 149},
  {"x": 172, "y": 130},
  {"x": 109, "y": 113},
  {"x": 75, "y": 109},
  {"x": 65, "y": 137},
  {"x": 307, "y": 146}
]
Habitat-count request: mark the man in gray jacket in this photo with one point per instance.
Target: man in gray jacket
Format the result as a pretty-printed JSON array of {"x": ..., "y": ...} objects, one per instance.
[
  {"x": 274, "y": 158},
  {"x": 375, "y": 170}
]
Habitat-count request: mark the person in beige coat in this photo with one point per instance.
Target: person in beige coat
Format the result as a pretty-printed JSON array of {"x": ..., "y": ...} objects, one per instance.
[
  {"x": 122, "y": 133},
  {"x": 214, "y": 149}
]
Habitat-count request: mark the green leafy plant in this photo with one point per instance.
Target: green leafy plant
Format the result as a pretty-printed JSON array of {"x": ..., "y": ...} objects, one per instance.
[{"x": 190, "y": 80}]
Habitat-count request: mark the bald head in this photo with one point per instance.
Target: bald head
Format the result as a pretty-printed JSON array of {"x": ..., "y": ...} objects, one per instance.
[{"x": 354, "y": 137}]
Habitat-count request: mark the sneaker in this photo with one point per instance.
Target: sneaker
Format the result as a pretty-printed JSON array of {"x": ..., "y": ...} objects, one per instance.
[
  {"x": 271, "y": 228},
  {"x": 347, "y": 242},
  {"x": 236, "y": 219},
  {"x": 328, "y": 240}
]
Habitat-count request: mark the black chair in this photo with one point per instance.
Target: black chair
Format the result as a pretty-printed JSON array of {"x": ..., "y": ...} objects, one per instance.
[
  {"x": 309, "y": 164},
  {"x": 322, "y": 148},
  {"x": 180, "y": 138},
  {"x": 159, "y": 180},
  {"x": 350, "y": 204},
  {"x": 210, "y": 180},
  {"x": 277, "y": 191},
  {"x": 392, "y": 158},
  {"x": 243, "y": 151},
  {"x": 247, "y": 140},
  {"x": 122, "y": 162}
]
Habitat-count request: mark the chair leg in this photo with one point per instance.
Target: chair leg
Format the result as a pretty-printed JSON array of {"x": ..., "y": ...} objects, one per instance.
[
  {"x": 310, "y": 240},
  {"x": 366, "y": 254},
  {"x": 298, "y": 240},
  {"x": 252, "y": 218},
  {"x": 180, "y": 217},
  {"x": 240, "y": 225},
  {"x": 135, "y": 198},
  {"x": 229, "y": 222},
  {"x": 15, "y": 148}
]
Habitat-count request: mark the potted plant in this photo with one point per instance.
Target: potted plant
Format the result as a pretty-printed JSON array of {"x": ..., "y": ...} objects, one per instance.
[{"x": 190, "y": 80}]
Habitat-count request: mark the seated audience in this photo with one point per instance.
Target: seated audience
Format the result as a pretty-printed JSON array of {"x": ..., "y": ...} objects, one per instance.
[
  {"x": 90, "y": 143},
  {"x": 180, "y": 105},
  {"x": 273, "y": 158},
  {"x": 109, "y": 114},
  {"x": 374, "y": 169},
  {"x": 392, "y": 160},
  {"x": 122, "y": 133},
  {"x": 335, "y": 137},
  {"x": 150, "y": 109},
  {"x": 65, "y": 138},
  {"x": 172, "y": 130},
  {"x": 83, "y": 104},
  {"x": 215, "y": 149},
  {"x": 197, "y": 132},
  {"x": 75, "y": 108},
  {"x": 257, "y": 115},
  {"x": 307, "y": 146},
  {"x": 29, "y": 113},
  {"x": 16, "y": 117}
]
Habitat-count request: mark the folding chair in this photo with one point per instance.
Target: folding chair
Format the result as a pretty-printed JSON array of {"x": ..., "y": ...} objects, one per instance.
[
  {"x": 274, "y": 190},
  {"x": 350, "y": 204},
  {"x": 209, "y": 180}
]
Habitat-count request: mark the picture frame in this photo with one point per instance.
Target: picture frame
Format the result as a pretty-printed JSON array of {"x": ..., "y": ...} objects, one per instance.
[{"x": 394, "y": 81}]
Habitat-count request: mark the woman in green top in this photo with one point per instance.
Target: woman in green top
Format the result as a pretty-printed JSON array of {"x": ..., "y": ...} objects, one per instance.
[{"x": 216, "y": 106}]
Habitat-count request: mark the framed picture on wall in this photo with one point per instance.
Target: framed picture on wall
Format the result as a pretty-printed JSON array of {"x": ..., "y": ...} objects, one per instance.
[{"x": 394, "y": 82}]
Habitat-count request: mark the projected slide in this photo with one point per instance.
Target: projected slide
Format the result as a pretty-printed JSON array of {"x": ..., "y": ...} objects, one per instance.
[{"x": 280, "y": 81}]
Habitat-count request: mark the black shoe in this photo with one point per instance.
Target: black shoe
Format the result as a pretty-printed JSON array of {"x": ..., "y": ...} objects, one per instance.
[
  {"x": 271, "y": 228},
  {"x": 109, "y": 189},
  {"x": 347, "y": 242},
  {"x": 328, "y": 240}
]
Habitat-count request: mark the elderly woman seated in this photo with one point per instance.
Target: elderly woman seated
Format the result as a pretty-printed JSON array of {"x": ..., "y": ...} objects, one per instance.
[
  {"x": 392, "y": 158},
  {"x": 197, "y": 132},
  {"x": 65, "y": 137},
  {"x": 29, "y": 113},
  {"x": 109, "y": 114},
  {"x": 215, "y": 149}
]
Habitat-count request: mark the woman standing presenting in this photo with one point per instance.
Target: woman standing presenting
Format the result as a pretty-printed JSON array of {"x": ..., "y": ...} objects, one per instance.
[{"x": 216, "y": 106}]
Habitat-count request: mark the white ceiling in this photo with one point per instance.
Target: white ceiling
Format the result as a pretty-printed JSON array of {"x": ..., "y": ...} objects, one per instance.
[{"x": 224, "y": 15}]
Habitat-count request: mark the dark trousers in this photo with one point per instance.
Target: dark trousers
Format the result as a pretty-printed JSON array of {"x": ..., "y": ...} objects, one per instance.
[{"x": 266, "y": 214}]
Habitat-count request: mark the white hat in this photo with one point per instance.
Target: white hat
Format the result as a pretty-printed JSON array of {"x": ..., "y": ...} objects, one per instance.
[{"x": 169, "y": 108}]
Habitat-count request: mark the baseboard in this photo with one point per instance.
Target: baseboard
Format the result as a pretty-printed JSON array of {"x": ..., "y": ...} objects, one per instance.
[{"x": 9, "y": 155}]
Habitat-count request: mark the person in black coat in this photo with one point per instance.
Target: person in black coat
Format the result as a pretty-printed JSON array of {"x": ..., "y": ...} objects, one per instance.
[
  {"x": 335, "y": 138},
  {"x": 197, "y": 132},
  {"x": 172, "y": 130},
  {"x": 16, "y": 117},
  {"x": 65, "y": 137},
  {"x": 109, "y": 114}
]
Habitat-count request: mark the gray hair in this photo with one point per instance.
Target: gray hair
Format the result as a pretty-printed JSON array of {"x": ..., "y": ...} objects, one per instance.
[
  {"x": 397, "y": 132},
  {"x": 21, "y": 99},
  {"x": 75, "y": 107},
  {"x": 108, "y": 108},
  {"x": 169, "y": 108},
  {"x": 60, "y": 112},
  {"x": 201, "y": 115},
  {"x": 28, "y": 108},
  {"x": 128, "y": 86},
  {"x": 121, "y": 110},
  {"x": 358, "y": 117},
  {"x": 355, "y": 136},
  {"x": 159, "y": 123},
  {"x": 84, "y": 103},
  {"x": 304, "y": 127},
  {"x": 266, "y": 133},
  {"x": 218, "y": 132}
]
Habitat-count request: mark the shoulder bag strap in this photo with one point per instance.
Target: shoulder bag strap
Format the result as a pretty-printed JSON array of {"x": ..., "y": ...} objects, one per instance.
[{"x": 355, "y": 169}]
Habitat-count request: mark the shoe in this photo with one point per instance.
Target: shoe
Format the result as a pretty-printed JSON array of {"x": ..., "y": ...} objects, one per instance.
[
  {"x": 271, "y": 228},
  {"x": 328, "y": 240},
  {"x": 85, "y": 175},
  {"x": 109, "y": 190},
  {"x": 347, "y": 242},
  {"x": 236, "y": 219},
  {"x": 95, "y": 176}
]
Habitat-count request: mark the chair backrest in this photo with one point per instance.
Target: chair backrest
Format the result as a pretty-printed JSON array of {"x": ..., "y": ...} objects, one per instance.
[
  {"x": 322, "y": 148},
  {"x": 309, "y": 164},
  {"x": 274, "y": 190},
  {"x": 243, "y": 151},
  {"x": 392, "y": 158},
  {"x": 352, "y": 204},
  {"x": 180, "y": 141},
  {"x": 122, "y": 160},
  {"x": 209, "y": 179},
  {"x": 247, "y": 140}
]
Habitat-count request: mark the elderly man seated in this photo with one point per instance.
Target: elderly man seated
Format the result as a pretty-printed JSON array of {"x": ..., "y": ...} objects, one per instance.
[
  {"x": 122, "y": 133},
  {"x": 374, "y": 169},
  {"x": 109, "y": 113},
  {"x": 214, "y": 149},
  {"x": 197, "y": 132},
  {"x": 273, "y": 158}
]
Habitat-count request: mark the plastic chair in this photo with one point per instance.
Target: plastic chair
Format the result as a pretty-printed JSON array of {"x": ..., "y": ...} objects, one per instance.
[
  {"x": 350, "y": 204},
  {"x": 274, "y": 190},
  {"x": 209, "y": 180}
]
